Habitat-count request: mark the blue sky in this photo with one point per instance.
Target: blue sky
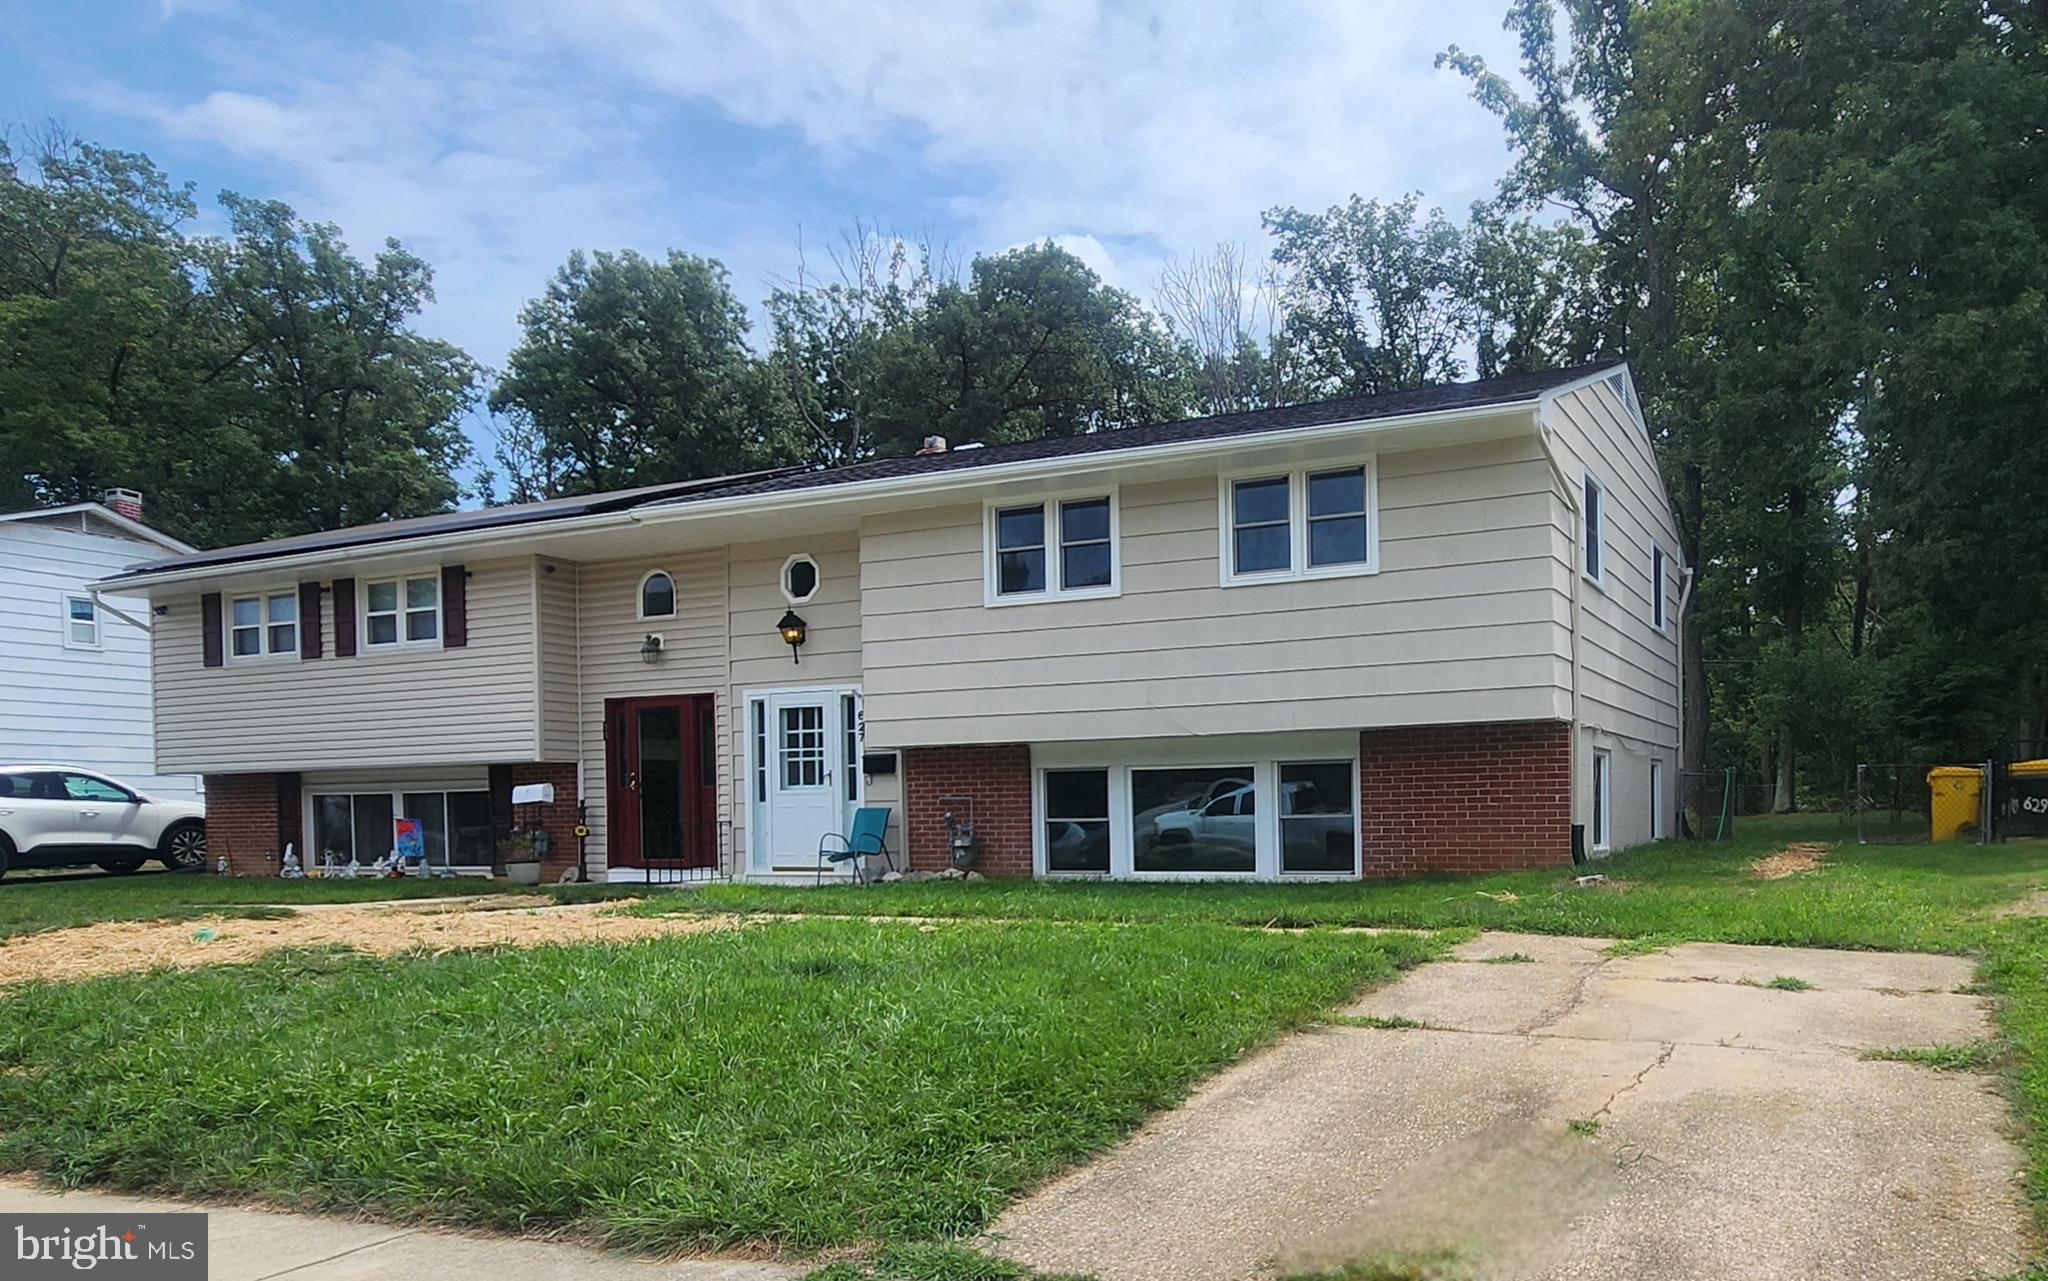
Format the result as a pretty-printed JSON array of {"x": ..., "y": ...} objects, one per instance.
[{"x": 493, "y": 138}]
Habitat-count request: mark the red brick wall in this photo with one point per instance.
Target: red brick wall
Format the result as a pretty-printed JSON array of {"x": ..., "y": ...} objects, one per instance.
[
  {"x": 1466, "y": 798},
  {"x": 999, "y": 780},
  {"x": 248, "y": 821},
  {"x": 559, "y": 819}
]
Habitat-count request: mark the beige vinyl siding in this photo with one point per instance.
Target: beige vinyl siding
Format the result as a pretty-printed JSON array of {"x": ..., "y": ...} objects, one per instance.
[
  {"x": 611, "y": 631},
  {"x": 831, "y": 654},
  {"x": 1629, "y": 669},
  {"x": 1467, "y": 620},
  {"x": 555, "y": 635},
  {"x": 407, "y": 706}
]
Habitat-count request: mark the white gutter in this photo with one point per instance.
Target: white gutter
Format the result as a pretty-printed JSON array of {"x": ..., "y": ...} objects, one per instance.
[
  {"x": 662, "y": 512},
  {"x": 100, "y": 602}
]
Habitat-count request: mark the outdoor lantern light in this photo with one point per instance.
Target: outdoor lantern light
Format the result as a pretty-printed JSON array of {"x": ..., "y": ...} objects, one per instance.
[
  {"x": 650, "y": 649},
  {"x": 793, "y": 629}
]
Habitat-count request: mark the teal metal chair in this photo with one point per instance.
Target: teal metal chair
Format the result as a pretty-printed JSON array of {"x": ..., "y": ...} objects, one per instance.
[{"x": 868, "y": 839}]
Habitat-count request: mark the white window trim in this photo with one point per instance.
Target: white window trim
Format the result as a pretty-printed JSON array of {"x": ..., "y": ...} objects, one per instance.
[
  {"x": 990, "y": 562},
  {"x": 1657, "y": 832},
  {"x": 1265, "y": 766},
  {"x": 65, "y": 622},
  {"x": 639, "y": 597},
  {"x": 364, "y": 645},
  {"x": 1602, "y": 839},
  {"x": 1589, "y": 531},
  {"x": 1298, "y": 567},
  {"x": 1660, "y": 571},
  {"x": 261, "y": 595},
  {"x": 817, "y": 580}
]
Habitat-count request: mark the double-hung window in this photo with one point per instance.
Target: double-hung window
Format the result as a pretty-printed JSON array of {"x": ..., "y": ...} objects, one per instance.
[
  {"x": 264, "y": 626},
  {"x": 81, "y": 623},
  {"x": 1054, "y": 548},
  {"x": 1314, "y": 522},
  {"x": 402, "y": 611}
]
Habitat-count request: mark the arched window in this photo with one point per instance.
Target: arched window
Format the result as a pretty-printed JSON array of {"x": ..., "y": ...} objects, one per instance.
[
  {"x": 799, "y": 579},
  {"x": 657, "y": 596}
]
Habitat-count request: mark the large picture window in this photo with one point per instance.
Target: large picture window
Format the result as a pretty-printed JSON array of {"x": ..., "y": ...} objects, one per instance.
[
  {"x": 1193, "y": 820},
  {"x": 1316, "y": 522},
  {"x": 1064, "y": 547},
  {"x": 1177, "y": 815},
  {"x": 455, "y": 826}
]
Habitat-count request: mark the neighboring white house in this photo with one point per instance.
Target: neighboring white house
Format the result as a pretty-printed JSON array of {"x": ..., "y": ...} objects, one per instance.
[{"x": 74, "y": 668}]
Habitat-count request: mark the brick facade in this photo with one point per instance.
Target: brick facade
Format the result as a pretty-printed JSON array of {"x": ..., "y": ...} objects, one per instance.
[
  {"x": 1466, "y": 798},
  {"x": 997, "y": 777},
  {"x": 558, "y": 819},
  {"x": 249, "y": 820}
]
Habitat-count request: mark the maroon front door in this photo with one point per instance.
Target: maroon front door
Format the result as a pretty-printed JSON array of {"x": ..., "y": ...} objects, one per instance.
[{"x": 662, "y": 781}]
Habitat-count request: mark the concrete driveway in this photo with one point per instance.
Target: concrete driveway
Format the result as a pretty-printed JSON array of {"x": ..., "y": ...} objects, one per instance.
[{"x": 1651, "y": 1117}]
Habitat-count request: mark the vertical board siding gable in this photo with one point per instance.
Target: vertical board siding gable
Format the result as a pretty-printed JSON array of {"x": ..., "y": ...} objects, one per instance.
[
  {"x": 454, "y": 607},
  {"x": 344, "y": 618},
  {"x": 209, "y": 630}
]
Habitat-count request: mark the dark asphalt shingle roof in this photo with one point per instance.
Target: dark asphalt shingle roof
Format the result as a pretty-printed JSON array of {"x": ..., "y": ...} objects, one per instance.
[{"x": 1472, "y": 395}]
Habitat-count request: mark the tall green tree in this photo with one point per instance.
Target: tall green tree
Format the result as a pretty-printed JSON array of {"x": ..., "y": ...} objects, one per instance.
[
  {"x": 635, "y": 371},
  {"x": 1030, "y": 343}
]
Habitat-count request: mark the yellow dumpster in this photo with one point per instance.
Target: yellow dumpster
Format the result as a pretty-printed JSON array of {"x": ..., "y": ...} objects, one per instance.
[{"x": 1957, "y": 800}]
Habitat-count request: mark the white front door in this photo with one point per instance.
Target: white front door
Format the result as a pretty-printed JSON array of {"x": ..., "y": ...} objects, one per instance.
[{"x": 806, "y": 777}]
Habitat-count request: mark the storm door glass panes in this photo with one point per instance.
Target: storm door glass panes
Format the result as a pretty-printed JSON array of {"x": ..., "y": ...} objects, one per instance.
[
  {"x": 803, "y": 746},
  {"x": 1259, "y": 526},
  {"x": 1318, "y": 826},
  {"x": 1084, "y": 544},
  {"x": 1020, "y": 550},
  {"x": 1336, "y": 517},
  {"x": 1193, "y": 820},
  {"x": 661, "y": 782},
  {"x": 1077, "y": 820}
]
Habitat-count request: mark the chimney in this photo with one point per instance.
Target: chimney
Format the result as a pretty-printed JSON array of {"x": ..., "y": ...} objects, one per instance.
[
  {"x": 124, "y": 501},
  {"x": 933, "y": 445}
]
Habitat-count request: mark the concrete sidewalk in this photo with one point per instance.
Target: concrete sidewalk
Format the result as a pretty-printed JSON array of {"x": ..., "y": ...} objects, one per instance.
[
  {"x": 256, "y": 1245},
  {"x": 1564, "y": 1115}
]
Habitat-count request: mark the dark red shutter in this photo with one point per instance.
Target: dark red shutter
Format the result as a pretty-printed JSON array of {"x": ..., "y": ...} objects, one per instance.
[
  {"x": 454, "y": 607},
  {"x": 309, "y": 620},
  {"x": 344, "y": 618},
  {"x": 209, "y": 629},
  {"x": 290, "y": 817},
  {"x": 500, "y": 783}
]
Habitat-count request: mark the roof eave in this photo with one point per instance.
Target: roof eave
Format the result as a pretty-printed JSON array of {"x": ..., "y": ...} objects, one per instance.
[{"x": 688, "y": 509}]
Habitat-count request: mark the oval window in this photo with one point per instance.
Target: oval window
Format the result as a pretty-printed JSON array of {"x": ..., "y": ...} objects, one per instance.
[
  {"x": 657, "y": 596},
  {"x": 799, "y": 579}
]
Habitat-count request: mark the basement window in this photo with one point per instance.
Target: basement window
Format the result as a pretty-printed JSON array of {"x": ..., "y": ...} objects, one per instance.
[
  {"x": 1077, "y": 820},
  {"x": 1597, "y": 834}
]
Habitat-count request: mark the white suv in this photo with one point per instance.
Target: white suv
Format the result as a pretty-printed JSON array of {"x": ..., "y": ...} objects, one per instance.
[{"x": 63, "y": 816}]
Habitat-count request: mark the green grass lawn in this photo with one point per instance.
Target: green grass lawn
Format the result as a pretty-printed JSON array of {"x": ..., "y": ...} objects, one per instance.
[
  {"x": 1894, "y": 897},
  {"x": 802, "y": 1084}
]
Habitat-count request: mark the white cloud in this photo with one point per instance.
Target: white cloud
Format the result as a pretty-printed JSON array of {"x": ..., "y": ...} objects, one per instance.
[
  {"x": 1175, "y": 126},
  {"x": 488, "y": 171}
]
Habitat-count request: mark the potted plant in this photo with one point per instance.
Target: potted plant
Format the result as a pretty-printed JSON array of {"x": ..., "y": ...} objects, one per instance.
[{"x": 521, "y": 859}]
